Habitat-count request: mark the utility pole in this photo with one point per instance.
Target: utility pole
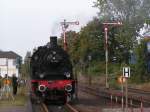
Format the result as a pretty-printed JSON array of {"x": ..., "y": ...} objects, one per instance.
[
  {"x": 65, "y": 25},
  {"x": 106, "y": 25}
]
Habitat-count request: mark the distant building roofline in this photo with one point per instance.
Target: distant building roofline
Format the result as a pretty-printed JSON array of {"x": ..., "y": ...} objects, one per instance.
[{"x": 9, "y": 55}]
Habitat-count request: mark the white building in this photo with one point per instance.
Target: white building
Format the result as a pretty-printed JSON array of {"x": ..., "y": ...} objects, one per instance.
[
  {"x": 147, "y": 34},
  {"x": 9, "y": 63}
]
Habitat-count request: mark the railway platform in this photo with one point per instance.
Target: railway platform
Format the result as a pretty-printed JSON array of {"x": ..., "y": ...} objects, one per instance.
[
  {"x": 26, "y": 108},
  {"x": 14, "y": 109}
]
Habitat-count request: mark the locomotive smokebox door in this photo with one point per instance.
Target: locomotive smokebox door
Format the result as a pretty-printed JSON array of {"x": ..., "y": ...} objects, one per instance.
[{"x": 53, "y": 41}]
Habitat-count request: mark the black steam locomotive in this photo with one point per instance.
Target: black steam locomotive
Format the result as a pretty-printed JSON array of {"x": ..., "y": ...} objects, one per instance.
[{"x": 52, "y": 77}]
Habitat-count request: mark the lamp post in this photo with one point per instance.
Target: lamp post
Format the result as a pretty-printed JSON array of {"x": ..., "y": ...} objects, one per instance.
[{"x": 106, "y": 25}]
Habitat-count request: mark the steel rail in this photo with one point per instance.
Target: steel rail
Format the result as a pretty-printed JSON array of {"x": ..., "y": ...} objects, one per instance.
[
  {"x": 70, "y": 108},
  {"x": 106, "y": 94},
  {"x": 44, "y": 107}
]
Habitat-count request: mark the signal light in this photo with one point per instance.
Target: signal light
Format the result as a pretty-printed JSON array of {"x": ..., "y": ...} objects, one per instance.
[{"x": 121, "y": 79}]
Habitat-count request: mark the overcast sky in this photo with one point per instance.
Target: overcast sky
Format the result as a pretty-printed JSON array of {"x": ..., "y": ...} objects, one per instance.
[{"x": 25, "y": 24}]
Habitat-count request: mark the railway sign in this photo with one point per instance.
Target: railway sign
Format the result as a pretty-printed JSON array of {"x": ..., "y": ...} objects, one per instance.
[{"x": 126, "y": 72}]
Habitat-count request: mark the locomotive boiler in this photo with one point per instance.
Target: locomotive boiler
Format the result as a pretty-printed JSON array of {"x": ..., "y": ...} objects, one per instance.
[{"x": 52, "y": 77}]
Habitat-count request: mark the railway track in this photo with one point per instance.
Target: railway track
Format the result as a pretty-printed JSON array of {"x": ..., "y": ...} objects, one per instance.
[
  {"x": 134, "y": 90},
  {"x": 53, "y": 108},
  {"x": 130, "y": 89},
  {"x": 40, "y": 107},
  {"x": 135, "y": 95},
  {"x": 99, "y": 93},
  {"x": 44, "y": 108},
  {"x": 70, "y": 108}
]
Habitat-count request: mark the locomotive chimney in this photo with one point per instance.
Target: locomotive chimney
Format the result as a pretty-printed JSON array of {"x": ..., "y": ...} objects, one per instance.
[{"x": 53, "y": 41}]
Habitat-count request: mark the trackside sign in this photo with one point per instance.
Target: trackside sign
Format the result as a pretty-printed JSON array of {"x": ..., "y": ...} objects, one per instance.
[{"x": 126, "y": 72}]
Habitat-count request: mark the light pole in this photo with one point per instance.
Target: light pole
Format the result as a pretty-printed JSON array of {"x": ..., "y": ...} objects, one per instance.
[
  {"x": 65, "y": 25},
  {"x": 106, "y": 25}
]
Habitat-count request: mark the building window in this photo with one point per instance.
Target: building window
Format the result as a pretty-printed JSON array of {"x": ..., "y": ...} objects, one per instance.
[{"x": 14, "y": 62}]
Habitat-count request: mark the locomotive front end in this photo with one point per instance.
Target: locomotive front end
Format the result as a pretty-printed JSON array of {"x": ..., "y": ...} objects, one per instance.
[{"x": 51, "y": 74}]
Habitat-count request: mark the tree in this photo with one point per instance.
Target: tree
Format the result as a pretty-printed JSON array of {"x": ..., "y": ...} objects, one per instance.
[
  {"x": 131, "y": 12},
  {"x": 26, "y": 66},
  {"x": 125, "y": 10},
  {"x": 72, "y": 39},
  {"x": 92, "y": 40},
  {"x": 140, "y": 69}
]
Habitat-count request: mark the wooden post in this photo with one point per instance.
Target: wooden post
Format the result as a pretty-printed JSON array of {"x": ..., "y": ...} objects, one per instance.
[
  {"x": 141, "y": 104},
  {"x": 126, "y": 110}
]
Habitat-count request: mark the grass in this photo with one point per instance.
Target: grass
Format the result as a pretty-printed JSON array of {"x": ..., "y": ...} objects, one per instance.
[{"x": 19, "y": 100}]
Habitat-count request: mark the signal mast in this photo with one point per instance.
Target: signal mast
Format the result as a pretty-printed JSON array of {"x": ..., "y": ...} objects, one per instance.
[
  {"x": 106, "y": 25},
  {"x": 65, "y": 25}
]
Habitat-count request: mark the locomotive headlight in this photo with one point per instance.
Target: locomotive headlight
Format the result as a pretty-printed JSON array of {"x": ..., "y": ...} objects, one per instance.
[
  {"x": 68, "y": 87},
  {"x": 67, "y": 74},
  {"x": 41, "y": 75},
  {"x": 54, "y": 58},
  {"x": 42, "y": 88}
]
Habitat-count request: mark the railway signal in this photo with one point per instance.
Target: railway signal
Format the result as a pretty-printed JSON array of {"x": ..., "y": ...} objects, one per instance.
[
  {"x": 121, "y": 80},
  {"x": 65, "y": 25},
  {"x": 126, "y": 72},
  {"x": 106, "y": 25}
]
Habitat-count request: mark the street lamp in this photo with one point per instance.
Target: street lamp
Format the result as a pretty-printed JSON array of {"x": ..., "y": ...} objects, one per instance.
[{"x": 106, "y": 25}]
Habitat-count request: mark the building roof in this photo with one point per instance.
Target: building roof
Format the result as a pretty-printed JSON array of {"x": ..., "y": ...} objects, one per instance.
[
  {"x": 9, "y": 55},
  {"x": 146, "y": 34}
]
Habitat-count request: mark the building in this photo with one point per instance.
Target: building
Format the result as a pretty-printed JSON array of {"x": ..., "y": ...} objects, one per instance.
[
  {"x": 147, "y": 34},
  {"x": 9, "y": 63}
]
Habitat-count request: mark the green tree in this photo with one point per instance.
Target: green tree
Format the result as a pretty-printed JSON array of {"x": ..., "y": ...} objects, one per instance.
[
  {"x": 140, "y": 73},
  {"x": 92, "y": 40},
  {"x": 132, "y": 13},
  {"x": 72, "y": 39},
  {"x": 26, "y": 66}
]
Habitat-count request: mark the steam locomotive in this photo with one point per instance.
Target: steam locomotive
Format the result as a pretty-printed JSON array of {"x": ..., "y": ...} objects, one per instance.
[{"x": 52, "y": 77}]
